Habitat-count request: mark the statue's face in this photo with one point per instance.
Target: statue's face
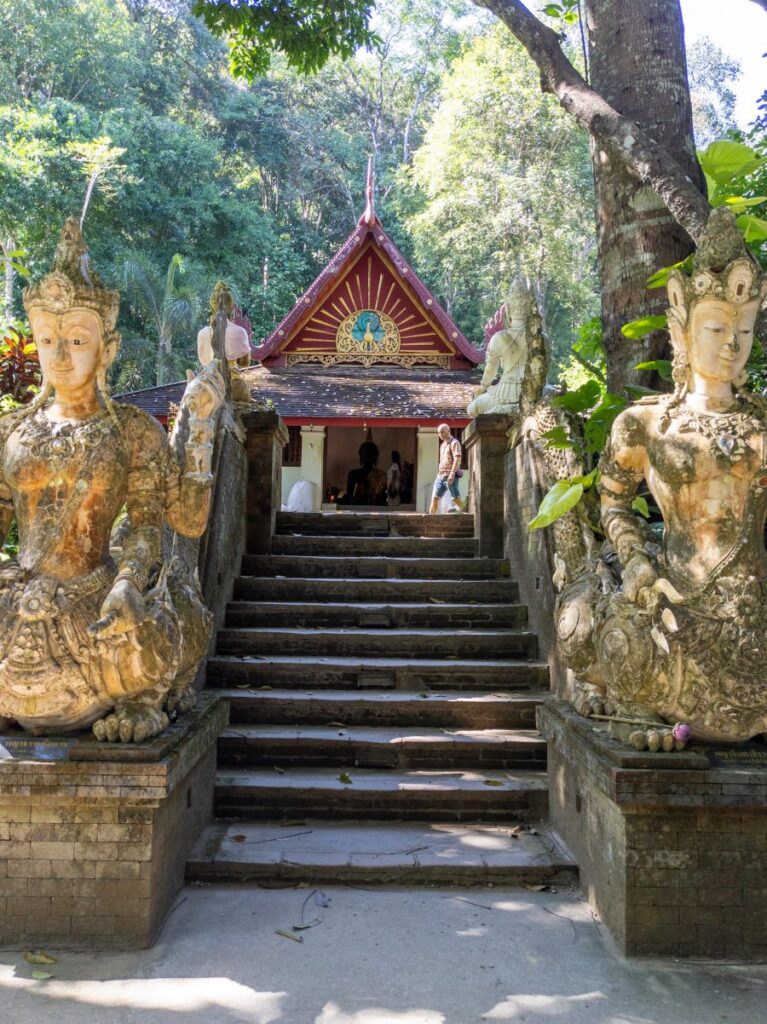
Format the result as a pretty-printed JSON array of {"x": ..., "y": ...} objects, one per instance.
[
  {"x": 720, "y": 338},
  {"x": 70, "y": 346}
]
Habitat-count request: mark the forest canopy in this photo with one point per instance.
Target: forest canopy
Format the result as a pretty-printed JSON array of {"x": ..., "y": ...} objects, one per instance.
[{"x": 128, "y": 108}]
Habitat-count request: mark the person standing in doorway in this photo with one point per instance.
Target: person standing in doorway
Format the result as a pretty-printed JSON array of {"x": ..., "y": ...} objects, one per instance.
[
  {"x": 394, "y": 481},
  {"x": 449, "y": 470}
]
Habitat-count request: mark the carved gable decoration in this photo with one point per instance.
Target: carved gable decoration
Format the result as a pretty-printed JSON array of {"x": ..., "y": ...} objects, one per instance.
[{"x": 368, "y": 306}]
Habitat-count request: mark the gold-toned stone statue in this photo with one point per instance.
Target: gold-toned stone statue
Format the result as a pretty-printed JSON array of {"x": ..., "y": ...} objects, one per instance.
[
  {"x": 85, "y": 639},
  {"x": 678, "y": 648}
]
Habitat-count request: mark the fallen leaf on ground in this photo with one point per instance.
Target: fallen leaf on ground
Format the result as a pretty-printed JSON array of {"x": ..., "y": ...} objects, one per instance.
[
  {"x": 287, "y": 935},
  {"x": 238, "y": 839},
  {"x": 39, "y": 956},
  {"x": 280, "y": 771},
  {"x": 345, "y": 778},
  {"x": 291, "y": 824},
  {"x": 42, "y": 975},
  {"x": 537, "y": 888},
  {"x": 493, "y": 782},
  {"x": 337, "y": 725}
]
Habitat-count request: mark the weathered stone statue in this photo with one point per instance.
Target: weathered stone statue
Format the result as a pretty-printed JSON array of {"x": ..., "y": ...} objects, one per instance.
[
  {"x": 236, "y": 343},
  {"x": 683, "y": 638},
  {"x": 85, "y": 639},
  {"x": 507, "y": 353}
]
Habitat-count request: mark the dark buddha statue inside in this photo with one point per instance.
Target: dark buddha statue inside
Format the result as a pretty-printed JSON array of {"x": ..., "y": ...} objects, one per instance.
[{"x": 367, "y": 484}]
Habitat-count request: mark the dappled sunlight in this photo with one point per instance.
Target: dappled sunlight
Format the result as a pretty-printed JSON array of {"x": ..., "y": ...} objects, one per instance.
[
  {"x": 333, "y": 1014},
  {"x": 178, "y": 995},
  {"x": 520, "y": 1006}
]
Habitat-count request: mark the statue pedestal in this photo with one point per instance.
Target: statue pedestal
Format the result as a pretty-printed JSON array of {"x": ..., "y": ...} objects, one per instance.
[
  {"x": 672, "y": 848},
  {"x": 486, "y": 445},
  {"x": 94, "y": 837},
  {"x": 266, "y": 436}
]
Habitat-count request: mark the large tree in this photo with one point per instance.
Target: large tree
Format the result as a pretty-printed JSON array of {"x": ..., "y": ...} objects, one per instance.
[{"x": 636, "y": 108}]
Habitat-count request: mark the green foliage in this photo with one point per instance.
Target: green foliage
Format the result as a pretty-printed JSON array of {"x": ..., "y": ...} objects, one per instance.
[
  {"x": 307, "y": 32},
  {"x": 561, "y": 497},
  {"x": 503, "y": 184},
  {"x": 565, "y": 11},
  {"x": 645, "y": 325},
  {"x": 660, "y": 366}
]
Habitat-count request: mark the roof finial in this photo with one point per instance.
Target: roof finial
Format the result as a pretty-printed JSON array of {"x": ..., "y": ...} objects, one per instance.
[{"x": 369, "y": 216}]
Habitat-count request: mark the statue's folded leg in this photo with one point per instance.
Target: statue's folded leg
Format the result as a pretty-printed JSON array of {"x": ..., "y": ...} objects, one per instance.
[{"x": 133, "y": 720}]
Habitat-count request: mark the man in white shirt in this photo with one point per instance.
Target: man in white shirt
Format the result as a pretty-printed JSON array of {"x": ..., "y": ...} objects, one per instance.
[{"x": 449, "y": 468}]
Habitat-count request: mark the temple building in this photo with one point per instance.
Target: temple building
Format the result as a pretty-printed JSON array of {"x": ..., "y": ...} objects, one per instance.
[{"x": 366, "y": 354}]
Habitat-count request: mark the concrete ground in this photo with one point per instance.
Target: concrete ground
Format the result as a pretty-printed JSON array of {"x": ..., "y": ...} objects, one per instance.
[{"x": 426, "y": 956}]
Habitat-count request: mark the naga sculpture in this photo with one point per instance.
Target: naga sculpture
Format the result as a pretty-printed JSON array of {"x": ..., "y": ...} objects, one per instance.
[
  {"x": 508, "y": 353},
  {"x": 85, "y": 638},
  {"x": 677, "y": 648}
]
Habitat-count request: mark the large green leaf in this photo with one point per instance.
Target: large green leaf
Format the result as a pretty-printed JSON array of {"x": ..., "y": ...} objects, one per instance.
[
  {"x": 738, "y": 203},
  {"x": 660, "y": 278},
  {"x": 563, "y": 496},
  {"x": 661, "y": 366},
  {"x": 725, "y": 160},
  {"x": 558, "y": 438},
  {"x": 581, "y": 399},
  {"x": 754, "y": 228},
  {"x": 636, "y": 329}
]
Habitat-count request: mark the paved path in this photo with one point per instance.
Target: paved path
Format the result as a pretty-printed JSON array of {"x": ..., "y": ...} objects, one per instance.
[{"x": 379, "y": 957}]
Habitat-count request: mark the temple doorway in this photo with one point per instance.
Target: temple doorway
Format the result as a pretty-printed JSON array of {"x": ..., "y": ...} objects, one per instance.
[{"x": 368, "y": 488}]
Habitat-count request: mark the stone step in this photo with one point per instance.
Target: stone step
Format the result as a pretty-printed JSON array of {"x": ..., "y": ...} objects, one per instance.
[
  {"x": 375, "y": 567},
  {"x": 397, "y": 524},
  {"x": 290, "y": 671},
  {"x": 467, "y": 710},
  {"x": 389, "y": 591},
  {"x": 328, "y": 853},
  {"x": 309, "y": 746},
  {"x": 390, "y": 547},
  {"x": 459, "y": 795},
  {"x": 373, "y": 615},
  {"x": 416, "y": 643}
]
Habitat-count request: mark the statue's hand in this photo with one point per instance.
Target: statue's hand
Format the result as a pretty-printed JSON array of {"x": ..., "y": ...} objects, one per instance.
[
  {"x": 638, "y": 579},
  {"x": 205, "y": 393},
  {"x": 122, "y": 611}
]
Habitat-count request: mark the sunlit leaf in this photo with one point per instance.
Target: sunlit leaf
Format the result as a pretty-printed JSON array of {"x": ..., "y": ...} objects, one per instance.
[
  {"x": 661, "y": 366},
  {"x": 660, "y": 278},
  {"x": 558, "y": 438},
  {"x": 640, "y": 505},
  {"x": 725, "y": 160},
  {"x": 581, "y": 399},
  {"x": 563, "y": 496},
  {"x": 754, "y": 228},
  {"x": 645, "y": 325}
]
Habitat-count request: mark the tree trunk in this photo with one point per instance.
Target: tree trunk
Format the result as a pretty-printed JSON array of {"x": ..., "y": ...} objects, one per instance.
[
  {"x": 638, "y": 65},
  {"x": 164, "y": 357},
  {"x": 9, "y": 274}
]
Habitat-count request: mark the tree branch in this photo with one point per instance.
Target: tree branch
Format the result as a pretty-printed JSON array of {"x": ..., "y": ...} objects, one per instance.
[{"x": 644, "y": 158}]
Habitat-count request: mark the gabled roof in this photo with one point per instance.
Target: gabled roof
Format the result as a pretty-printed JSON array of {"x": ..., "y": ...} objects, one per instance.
[
  {"x": 369, "y": 273},
  {"x": 313, "y": 394}
]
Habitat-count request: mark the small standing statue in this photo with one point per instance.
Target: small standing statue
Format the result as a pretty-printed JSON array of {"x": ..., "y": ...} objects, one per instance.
[
  {"x": 507, "y": 353},
  {"x": 679, "y": 648},
  {"x": 85, "y": 640},
  {"x": 236, "y": 342}
]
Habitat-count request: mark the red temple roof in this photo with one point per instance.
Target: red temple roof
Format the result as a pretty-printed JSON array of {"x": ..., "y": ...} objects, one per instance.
[{"x": 368, "y": 288}]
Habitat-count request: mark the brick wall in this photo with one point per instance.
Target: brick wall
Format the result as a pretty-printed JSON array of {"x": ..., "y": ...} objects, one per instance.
[{"x": 92, "y": 853}]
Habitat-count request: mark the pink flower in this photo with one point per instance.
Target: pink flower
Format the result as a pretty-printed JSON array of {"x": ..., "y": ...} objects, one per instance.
[{"x": 681, "y": 732}]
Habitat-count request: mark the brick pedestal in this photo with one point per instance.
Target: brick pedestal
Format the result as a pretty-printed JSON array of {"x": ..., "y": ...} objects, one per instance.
[
  {"x": 672, "y": 848},
  {"x": 486, "y": 445},
  {"x": 266, "y": 436},
  {"x": 94, "y": 838}
]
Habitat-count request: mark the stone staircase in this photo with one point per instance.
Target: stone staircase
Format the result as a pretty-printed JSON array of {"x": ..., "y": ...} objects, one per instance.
[{"x": 383, "y": 687}]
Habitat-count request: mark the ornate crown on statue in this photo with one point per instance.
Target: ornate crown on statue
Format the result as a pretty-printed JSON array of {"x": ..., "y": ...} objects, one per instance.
[
  {"x": 73, "y": 283},
  {"x": 723, "y": 268}
]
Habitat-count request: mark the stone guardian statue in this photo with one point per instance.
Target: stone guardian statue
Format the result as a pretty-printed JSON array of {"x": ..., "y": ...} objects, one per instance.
[
  {"x": 681, "y": 640},
  {"x": 85, "y": 639},
  {"x": 507, "y": 354}
]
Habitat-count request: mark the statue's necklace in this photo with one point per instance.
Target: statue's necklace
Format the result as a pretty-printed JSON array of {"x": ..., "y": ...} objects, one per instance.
[{"x": 727, "y": 432}]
